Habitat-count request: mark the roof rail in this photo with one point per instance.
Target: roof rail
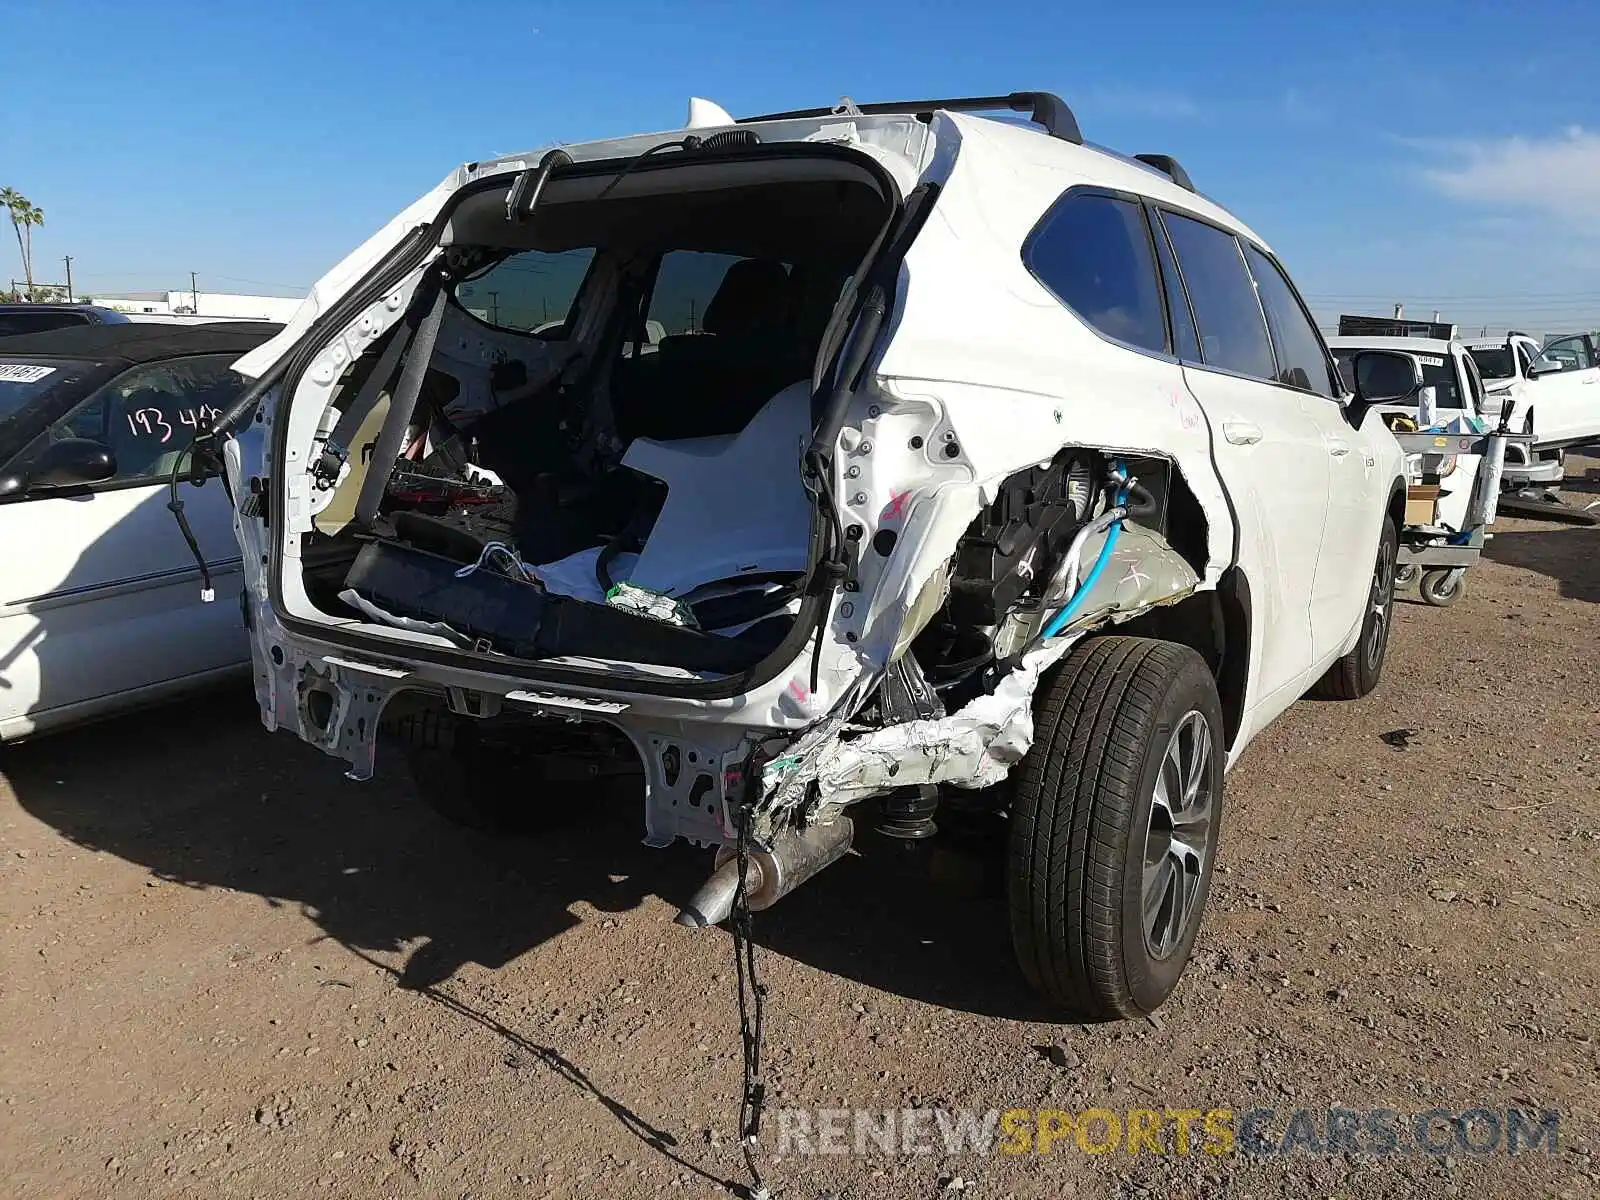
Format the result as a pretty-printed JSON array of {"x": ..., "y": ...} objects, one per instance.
[
  {"x": 1043, "y": 108},
  {"x": 1170, "y": 167}
]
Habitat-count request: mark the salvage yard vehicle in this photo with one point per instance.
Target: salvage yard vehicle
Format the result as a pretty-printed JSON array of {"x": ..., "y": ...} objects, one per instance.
[
  {"x": 36, "y": 318},
  {"x": 1455, "y": 451},
  {"x": 971, "y": 460},
  {"x": 1556, "y": 392},
  {"x": 1457, "y": 391},
  {"x": 98, "y": 606}
]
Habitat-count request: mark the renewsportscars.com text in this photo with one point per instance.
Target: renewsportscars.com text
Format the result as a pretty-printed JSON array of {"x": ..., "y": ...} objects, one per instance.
[{"x": 1258, "y": 1132}]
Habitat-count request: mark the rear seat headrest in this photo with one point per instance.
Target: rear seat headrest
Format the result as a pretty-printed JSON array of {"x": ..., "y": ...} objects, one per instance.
[{"x": 754, "y": 296}]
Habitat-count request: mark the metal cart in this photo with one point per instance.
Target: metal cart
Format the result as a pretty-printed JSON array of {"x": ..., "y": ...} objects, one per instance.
[{"x": 1441, "y": 556}]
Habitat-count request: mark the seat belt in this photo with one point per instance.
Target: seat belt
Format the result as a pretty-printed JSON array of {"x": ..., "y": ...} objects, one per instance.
[
  {"x": 401, "y": 405},
  {"x": 336, "y": 449}
]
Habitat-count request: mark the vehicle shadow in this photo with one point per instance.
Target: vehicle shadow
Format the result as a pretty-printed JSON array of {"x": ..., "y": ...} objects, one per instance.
[
  {"x": 1569, "y": 556},
  {"x": 197, "y": 793}
]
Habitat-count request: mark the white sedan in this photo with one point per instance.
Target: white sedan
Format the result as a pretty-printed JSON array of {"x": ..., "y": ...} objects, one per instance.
[{"x": 100, "y": 598}]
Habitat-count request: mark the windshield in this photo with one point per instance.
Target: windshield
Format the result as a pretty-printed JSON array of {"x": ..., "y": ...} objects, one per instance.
[
  {"x": 1494, "y": 363},
  {"x": 27, "y": 382}
]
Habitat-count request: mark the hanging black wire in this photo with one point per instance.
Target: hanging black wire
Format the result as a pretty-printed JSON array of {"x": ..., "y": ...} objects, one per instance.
[{"x": 752, "y": 997}]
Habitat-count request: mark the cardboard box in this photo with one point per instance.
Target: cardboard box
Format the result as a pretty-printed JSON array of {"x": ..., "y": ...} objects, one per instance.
[{"x": 1422, "y": 503}]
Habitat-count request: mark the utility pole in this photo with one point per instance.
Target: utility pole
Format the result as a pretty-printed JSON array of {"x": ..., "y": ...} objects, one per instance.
[
  {"x": 194, "y": 294},
  {"x": 68, "y": 260}
]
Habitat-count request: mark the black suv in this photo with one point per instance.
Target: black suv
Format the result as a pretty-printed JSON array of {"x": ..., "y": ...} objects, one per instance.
[{"x": 35, "y": 318}]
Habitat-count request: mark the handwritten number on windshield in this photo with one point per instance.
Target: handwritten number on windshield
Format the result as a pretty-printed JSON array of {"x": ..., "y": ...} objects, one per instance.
[
  {"x": 152, "y": 422},
  {"x": 147, "y": 422}
]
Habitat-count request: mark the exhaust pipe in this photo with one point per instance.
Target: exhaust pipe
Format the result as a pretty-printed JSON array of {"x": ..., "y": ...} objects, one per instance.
[{"x": 795, "y": 856}]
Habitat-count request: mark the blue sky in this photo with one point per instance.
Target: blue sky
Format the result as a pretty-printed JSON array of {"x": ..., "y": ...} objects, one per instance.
[{"x": 1443, "y": 154}]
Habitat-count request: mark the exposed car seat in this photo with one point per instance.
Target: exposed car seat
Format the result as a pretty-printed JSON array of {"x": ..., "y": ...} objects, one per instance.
[{"x": 714, "y": 382}]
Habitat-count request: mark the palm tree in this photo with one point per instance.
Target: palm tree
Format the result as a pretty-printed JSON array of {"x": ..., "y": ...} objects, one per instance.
[{"x": 24, "y": 216}]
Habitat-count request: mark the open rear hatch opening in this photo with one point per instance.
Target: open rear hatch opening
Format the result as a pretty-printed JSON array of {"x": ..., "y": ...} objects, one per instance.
[{"x": 584, "y": 440}]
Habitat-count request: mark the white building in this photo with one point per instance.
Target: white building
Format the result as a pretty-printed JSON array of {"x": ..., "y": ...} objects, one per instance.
[{"x": 227, "y": 305}]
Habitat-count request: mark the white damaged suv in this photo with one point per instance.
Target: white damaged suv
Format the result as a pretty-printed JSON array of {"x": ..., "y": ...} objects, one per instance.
[{"x": 844, "y": 464}]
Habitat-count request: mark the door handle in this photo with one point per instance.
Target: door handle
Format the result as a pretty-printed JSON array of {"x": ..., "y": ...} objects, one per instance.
[
  {"x": 1337, "y": 449},
  {"x": 1241, "y": 433}
]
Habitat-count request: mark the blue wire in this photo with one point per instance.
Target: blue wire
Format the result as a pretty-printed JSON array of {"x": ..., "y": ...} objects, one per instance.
[{"x": 1075, "y": 602}]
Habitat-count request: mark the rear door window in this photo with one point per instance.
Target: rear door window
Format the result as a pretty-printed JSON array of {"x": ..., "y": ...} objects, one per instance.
[
  {"x": 1185, "y": 339},
  {"x": 1093, "y": 253},
  {"x": 1233, "y": 332},
  {"x": 1302, "y": 361}
]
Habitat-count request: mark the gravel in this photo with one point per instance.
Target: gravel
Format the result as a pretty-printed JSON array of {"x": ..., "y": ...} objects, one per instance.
[{"x": 466, "y": 1016}]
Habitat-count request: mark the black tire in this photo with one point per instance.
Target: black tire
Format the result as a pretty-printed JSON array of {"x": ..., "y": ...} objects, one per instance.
[
  {"x": 1082, "y": 824},
  {"x": 1442, "y": 586},
  {"x": 474, "y": 788},
  {"x": 1358, "y": 672},
  {"x": 464, "y": 778}
]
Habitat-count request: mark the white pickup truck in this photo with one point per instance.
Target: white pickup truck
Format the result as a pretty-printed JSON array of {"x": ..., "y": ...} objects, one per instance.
[{"x": 1556, "y": 390}]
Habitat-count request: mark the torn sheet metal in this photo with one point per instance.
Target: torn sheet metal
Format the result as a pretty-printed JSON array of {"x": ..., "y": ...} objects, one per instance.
[{"x": 974, "y": 747}]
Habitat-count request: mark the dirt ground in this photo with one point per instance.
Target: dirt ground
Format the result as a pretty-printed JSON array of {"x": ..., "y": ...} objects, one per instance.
[{"x": 226, "y": 971}]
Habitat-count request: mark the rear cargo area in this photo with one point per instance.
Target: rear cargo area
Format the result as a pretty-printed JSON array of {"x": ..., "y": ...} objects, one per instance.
[{"x": 584, "y": 438}]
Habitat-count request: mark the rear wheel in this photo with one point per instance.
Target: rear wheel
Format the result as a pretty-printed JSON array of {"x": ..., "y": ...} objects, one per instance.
[
  {"x": 503, "y": 775},
  {"x": 1358, "y": 672},
  {"x": 1115, "y": 817}
]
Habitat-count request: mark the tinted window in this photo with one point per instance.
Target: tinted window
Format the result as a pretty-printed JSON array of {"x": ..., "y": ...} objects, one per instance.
[
  {"x": 1380, "y": 376},
  {"x": 37, "y": 322},
  {"x": 1233, "y": 335},
  {"x": 529, "y": 292},
  {"x": 25, "y": 382},
  {"x": 1185, "y": 341},
  {"x": 1496, "y": 363},
  {"x": 1094, "y": 253},
  {"x": 1302, "y": 362},
  {"x": 149, "y": 414}
]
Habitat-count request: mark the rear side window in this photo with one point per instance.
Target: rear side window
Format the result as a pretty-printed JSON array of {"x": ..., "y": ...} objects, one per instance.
[
  {"x": 1302, "y": 363},
  {"x": 530, "y": 292},
  {"x": 1233, "y": 335},
  {"x": 1093, "y": 253},
  {"x": 26, "y": 322}
]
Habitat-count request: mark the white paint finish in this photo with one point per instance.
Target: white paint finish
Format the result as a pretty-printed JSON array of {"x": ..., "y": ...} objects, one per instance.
[
  {"x": 985, "y": 356},
  {"x": 1347, "y": 552},
  {"x": 100, "y": 603},
  {"x": 1275, "y": 459},
  {"x": 706, "y": 114},
  {"x": 1566, "y": 404}
]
